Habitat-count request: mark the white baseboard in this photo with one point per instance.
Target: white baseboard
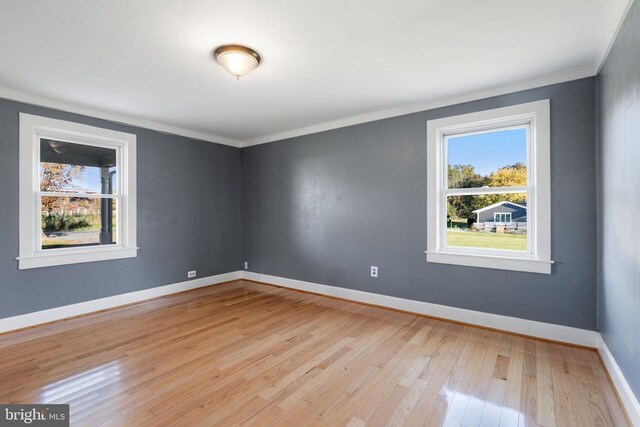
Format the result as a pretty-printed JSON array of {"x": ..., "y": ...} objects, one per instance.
[
  {"x": 58, "y": 313},
  {"x": 629, "y": 400},
  {"x": 531, "y": 328},
  {"x": 495, "y": 321}
]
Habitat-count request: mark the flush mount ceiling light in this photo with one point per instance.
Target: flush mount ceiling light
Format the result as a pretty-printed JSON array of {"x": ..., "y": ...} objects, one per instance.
[{"x": 236, "y": 59}]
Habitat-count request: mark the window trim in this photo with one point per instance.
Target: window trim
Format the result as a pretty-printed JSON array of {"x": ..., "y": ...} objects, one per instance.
[
  {"x": 537, "y": 258},
  {"x": 32, "y": 129}
]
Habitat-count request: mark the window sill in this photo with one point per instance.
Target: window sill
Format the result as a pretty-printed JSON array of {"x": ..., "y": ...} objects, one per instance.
[
  {"x": 64, "y": 258},
  {"x": 491, "y": 261}
]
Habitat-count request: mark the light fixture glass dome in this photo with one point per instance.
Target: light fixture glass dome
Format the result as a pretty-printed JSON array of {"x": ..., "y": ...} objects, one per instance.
[{"x": 237, "y": 60}]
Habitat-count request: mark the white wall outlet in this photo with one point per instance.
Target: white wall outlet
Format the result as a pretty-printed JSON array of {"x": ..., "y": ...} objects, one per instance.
[
  {"x": 245, "y": 265},
  {"x": 374, "y": 271},
  {"x": 191, "y": 274}
]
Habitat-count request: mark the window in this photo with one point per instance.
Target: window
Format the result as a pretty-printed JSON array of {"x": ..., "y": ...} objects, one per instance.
[
  {"x": 488, "y": 189},
  {"x": 502, "y": 218},
  {"x": 77, "y": 193}
]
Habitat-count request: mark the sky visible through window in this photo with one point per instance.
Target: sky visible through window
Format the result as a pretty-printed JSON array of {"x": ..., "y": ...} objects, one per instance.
[
  {"x": 90, "y": 180},
  {"x": 489, "y": 152}
]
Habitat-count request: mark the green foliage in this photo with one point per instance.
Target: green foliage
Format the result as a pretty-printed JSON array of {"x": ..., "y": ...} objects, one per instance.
[
  {"x": 464, "y": 176},
  {"x": 66, "y": 222},
  {"x": 451, "y": 212},
  {"x": 508, "y": 176}
]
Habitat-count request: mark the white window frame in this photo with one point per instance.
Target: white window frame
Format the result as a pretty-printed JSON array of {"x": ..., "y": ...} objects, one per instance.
[
  {"x": 32, "y": 130},
  {"x": 536, "y": 117},
  {"x": 507, "y": 215}
]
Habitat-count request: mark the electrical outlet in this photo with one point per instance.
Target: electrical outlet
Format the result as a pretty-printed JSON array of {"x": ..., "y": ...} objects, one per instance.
[
  {"x": 374, "y": 271},
  {"x": 245, "y": 265},
  {"x": 191, "y": 274}
]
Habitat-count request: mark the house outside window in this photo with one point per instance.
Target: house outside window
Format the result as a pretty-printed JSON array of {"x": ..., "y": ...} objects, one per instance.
[
  {"x": 488, "y": 189},
  {"x": 77, "y": 193}
]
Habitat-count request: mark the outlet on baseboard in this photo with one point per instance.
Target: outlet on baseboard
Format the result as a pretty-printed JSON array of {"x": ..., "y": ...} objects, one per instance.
[
  {"x": 245, "y": 265},
  {"x": 374, "y": 271},
  {"x": 191, "y": 274}
]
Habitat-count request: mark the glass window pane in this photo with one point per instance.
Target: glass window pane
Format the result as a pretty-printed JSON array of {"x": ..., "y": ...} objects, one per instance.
[
  {"x": 492, "y": 221},
  {"x": 492, "y": 159},
  {"x": 78, "y": 221},
  {"x": 77, "y": 168}
]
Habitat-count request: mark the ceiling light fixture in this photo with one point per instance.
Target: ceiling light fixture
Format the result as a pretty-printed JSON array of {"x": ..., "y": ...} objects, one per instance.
[{"x": 236, "y": 59}]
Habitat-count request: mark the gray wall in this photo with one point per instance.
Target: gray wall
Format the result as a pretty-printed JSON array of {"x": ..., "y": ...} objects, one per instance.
[
  {"x": 321, "y": 208},
  {"x": 325, "y": 207},
  {"x": 619, "y": 189},
  {"x": 189, "y": 202}
]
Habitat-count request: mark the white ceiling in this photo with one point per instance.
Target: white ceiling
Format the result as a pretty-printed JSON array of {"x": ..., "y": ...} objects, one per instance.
[{"x": 322, "y": 60}]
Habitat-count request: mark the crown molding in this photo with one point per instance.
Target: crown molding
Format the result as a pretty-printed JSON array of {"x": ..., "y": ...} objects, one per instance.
[
  {"x": 555, "y": 78},
  {"x": 565, "y": 76},
  {"x": 612, "y": 33},
  {"x": 43, "y": 101}
]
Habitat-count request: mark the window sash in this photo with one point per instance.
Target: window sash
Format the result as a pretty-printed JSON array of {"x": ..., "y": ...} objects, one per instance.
[
  {"x": 119, "y": 229},
  {"x": 118, "y": 147},
  {"x": 445, "y": 191},
  {"x": 443, "y": 247},
  {"x": 523, "y": 124},
  {"x": 117, "y": 195},
  {"x": 472, "y": 129},
  {"x": 80, "y": 195},
  {"x": 479, "y": 191}
]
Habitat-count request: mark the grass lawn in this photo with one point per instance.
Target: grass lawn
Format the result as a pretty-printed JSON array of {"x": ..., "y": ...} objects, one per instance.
[
  {"x": 48, "y": 243},
  {"x": 517, "y": 242}
]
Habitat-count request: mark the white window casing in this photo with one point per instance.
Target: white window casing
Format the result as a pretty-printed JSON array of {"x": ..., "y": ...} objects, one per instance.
[
  {"x": 32, "y": 130},
  {"x": 535, "y": 116}
]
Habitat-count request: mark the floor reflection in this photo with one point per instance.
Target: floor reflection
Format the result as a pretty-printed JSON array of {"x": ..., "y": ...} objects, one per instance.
[
  {"x": 461, "y": 406},
  {"x": 82, "y": 383}
]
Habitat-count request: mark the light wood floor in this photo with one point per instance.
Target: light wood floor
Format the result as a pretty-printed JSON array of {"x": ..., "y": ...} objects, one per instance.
[{"x": 243, "y": 353}]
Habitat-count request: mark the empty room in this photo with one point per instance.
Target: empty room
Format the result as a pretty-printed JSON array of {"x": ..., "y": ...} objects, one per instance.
[{"x": 320, "y": 213}]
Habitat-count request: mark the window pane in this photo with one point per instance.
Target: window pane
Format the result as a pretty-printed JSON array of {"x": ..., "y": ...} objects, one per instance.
[
  {"x": 78, "y": 221},
  {"x": 492, "y": 221},
  {"x": 77, "y": 168},
  {"x": 492, "y": 159}
]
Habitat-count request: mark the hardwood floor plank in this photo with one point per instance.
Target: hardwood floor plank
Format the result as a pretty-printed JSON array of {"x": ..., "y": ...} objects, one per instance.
[{"x": 244, "y": 353}]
